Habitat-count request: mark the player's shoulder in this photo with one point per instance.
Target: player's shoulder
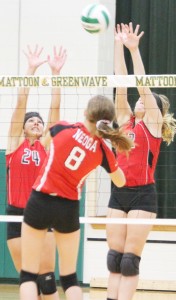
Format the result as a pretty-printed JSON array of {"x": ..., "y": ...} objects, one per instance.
[
  {"x": 64, "y": 125},
  {"x": 67, "y": 124}
]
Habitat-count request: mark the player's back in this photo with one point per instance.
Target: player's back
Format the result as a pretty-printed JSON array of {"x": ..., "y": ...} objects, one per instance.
[{"x": 74, "y": 153}]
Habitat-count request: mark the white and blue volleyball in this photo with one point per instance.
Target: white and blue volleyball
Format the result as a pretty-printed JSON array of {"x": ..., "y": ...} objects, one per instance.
[{"x": 95, "y": 18}]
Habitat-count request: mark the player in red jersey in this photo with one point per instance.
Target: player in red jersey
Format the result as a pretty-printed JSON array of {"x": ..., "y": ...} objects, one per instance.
[
  {"x": 26, "y": 152},
  {"x": 76, "y": 149},
  {"x": 148, "y": 126}
]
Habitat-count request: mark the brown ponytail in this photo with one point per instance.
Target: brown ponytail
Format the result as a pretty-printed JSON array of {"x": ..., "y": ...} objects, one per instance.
[{"x": 118, "y": 137}]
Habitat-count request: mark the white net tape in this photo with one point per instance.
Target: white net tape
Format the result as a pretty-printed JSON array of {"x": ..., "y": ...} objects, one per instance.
[
  {"x": 97, "y": 220},
  {"x": 152, "y": 81}
]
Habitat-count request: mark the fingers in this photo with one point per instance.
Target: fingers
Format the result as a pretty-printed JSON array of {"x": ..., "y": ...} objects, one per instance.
[
  {"x": 118, "y": 28},
  {"x": 141, "y": 34},
  {"x": 54, "y": 51},
  {"x": 137, "y": 29},
  {"x": 128, "y": 29},
  {"x": 59, "y": 53},
  {"x": 119, "y": 33},
  {"x": 25, "y": 54},
  {"x": 131, "y": 27},
  {"x": 29, "y": 49},
  {"x": 37, "y": 51},
  {"x": 58, "y": 60}
]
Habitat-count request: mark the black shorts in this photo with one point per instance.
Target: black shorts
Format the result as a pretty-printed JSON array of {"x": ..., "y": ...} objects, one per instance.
[
  {"x": 134, "y": 198},
  {"x": 45, "y": 211},
  {"x": 14, "y": 228}
]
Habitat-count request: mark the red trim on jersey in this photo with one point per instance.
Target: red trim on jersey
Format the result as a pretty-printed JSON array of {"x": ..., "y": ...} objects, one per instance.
[{"x": 140, "y": 166}]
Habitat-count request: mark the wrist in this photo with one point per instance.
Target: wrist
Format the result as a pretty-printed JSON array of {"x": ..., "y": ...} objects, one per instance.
[
  {"x": 31, "y": 71},
  {"x": 55, "y": 73},
  {"x": 134, "y": 50},
  {"x": 118, "y": 44}
]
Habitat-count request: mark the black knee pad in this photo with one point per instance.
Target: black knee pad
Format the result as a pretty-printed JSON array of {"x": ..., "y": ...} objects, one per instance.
[
  {"x": 27, "y": 276},
  {"x": 47, "y": 283},
  {"x": 113, "y": 261},
  {"x": 68, "y": 281},
  {"x": 130, "y": 264}
]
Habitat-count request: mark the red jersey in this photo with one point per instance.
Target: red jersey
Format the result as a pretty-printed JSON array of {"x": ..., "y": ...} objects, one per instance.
[
  {"x": 74, "y": 153},
  {"x": 140, "y": 166},
  {"x": 23, "y": 166}
]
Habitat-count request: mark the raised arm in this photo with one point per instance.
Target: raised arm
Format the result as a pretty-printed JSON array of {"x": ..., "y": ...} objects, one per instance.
[
  {"x": 16, "y": 125},
  {"x": 123, "y": 109},
  {"x": 56, "y": 63},
  {"x": 153, "y": 117}
]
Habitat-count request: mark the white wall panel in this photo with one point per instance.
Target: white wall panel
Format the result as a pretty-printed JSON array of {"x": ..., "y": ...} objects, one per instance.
[{"x": 49, "y": 23}]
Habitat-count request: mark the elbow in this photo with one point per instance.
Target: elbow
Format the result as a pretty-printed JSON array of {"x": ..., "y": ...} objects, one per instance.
[
  {"x": 122, "y": 182},
  {"x": 119, "y": 178}
]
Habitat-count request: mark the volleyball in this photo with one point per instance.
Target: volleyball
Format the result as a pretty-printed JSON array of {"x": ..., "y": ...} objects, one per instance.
[{"x": 95, "y": 18}]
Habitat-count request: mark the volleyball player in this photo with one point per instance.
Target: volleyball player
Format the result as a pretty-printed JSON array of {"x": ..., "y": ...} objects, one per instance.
[
  {"x": 76, "y": 149},
  {"x": 26, "y": 152},
  {"x": 149, "y": 125}
]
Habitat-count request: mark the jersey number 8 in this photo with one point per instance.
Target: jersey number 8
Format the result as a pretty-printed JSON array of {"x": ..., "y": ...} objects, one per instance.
[{"x": 75, "y": 158}]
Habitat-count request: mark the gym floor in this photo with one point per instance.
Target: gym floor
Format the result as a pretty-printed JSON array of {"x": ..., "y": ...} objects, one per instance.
[{"x": 11, "y": 292}]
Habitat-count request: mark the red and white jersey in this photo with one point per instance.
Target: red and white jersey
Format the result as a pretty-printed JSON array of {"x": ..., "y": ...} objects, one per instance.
[
  {"x": 74, "y": 153},
  {"x": 23, "y": 167},
  {"x": 140, "y": 166}
]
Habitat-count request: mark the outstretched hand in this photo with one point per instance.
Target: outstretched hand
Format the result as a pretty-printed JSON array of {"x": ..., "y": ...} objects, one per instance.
[
  {"x": 56, "y": 63},
  {"x": 33, "y": 57},
  {"x": 118, "y": 35},
  {"x": 129, "y": 37}
]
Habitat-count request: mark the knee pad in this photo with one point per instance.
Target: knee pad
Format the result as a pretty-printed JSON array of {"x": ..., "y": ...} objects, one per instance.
[
  {"x": 113, "y": 261},
  {"x": 47, "y": 283},
  {"x": 68, "y": 281},
  {"x": 27, "y": 276},
  {"x": 130, "y": 264}
]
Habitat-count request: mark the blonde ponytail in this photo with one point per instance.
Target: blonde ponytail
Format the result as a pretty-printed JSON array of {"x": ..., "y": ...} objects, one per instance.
[{"x": 168, "y": 128}]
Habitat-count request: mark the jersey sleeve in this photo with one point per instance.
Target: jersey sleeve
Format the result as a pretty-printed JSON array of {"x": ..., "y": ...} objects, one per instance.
[
  {"x": 109, "y": 162},
  {"x": 59, "y": 126}
]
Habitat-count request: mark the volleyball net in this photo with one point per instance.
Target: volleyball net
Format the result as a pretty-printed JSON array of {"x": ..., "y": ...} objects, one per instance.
[{"x": 75, "y": 93}]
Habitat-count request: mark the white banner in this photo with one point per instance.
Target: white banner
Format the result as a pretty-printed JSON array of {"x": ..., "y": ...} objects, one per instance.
[{"x": 113, "y": 81}]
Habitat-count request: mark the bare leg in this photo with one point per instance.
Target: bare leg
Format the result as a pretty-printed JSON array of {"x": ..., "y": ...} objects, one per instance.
[
  {"x": 128, "y": 287},
  {"x": 32, "y": 243},
  {"x": 68, "y": 246},
  {"x": 14, "y": 246},
  {"x": 48, "y": 265},
  {"x": 135, "y": 241},
  {"x": 116, "y": 235},
  {"x": 128, "y": 239}
]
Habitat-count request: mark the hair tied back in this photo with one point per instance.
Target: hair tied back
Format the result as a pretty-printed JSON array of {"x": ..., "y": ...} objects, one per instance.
[{"x": 100, "y": 122}]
